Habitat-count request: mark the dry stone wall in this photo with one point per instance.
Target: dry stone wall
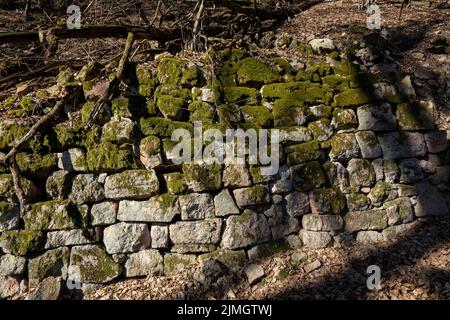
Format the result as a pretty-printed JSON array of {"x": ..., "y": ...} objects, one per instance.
[{"x": 360, "y": 158}]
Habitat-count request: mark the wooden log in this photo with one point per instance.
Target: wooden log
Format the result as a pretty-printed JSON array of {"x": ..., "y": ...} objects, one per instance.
[{"x": 91, "y": 32}]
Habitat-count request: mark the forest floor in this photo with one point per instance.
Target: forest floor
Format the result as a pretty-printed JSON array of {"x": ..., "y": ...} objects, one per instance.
[{"x": 415, "y": 266}]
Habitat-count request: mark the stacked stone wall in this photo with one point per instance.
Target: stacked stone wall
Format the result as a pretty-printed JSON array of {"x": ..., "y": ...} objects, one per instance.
[{"x": 360, "y": 158}]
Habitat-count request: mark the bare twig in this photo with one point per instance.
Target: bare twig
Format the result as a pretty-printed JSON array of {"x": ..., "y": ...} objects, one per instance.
[
  {"x": 156, "y": 13},
  {"x": 196, "y": 29},
  {"x": 113, "y": 84},
  {"x": 17, "y": 185}
]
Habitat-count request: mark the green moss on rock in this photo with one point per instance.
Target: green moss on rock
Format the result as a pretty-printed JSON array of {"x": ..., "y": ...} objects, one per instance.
[
  {"x": 200, "y": 111},
  {"x": 94, "y": 264},
  {"x": 8, "y": 102},
  {"x": 103, "y": 117},
  {"x": 269, "y": 249},
  {"x": 305, "y": 49},
  {"x": 308, "y": 176},
  {"x": 37, "y": 165},
  {"x": 344, "y": 147},
  {"x": 282, "y": 66},
  {"x": 229, "y": 114},
  {"x": 52, "y": 215},
  {"x": 234, "y": 259},
  {"x": 31, "y": 192},
  {"x": 170, "y": 71},
  {"x": 254, "y": 72},
  {"x": 303, "y": 152},
  {"x": 144, "y": 74},
  {"x": 64, "y": 77},
  {"x": 69, "y": 137},
  {"x": 327, "y": 201},
  {"x": 173, "y": 91},
  {"x": 119, "y": 131},
  {"x": 321, "y": 129},
  {"x": 415, "y": 116},
  {"x": 12, "y": 131},
  {"x": 120, "y": 107},
  {"x": 29, "y": 106},
  {"x": 379, "y": 192},
  {"x": 258, "y": 115},
  {"x": 344, "y": 119},
  {"x": 146, "y": 90},
  {"x": 109, "y": 157},
  {"x": 309, "y": 93},
  {"x": 191, "y": 77},
  {"x": 357, "y": 202},
  {"x": 175, "y": 183},
  {"x": 162, "y": 127},
  {"x": 321, "y": 68},
  {"x": 353, "y": 97},
  {"x": 241, "y": 95},
  {"x": 345, "y": 67},
  {"x": 336, "y": 82},
  {"x": 203, "y": 177},
  {"x": 52, "y": 263},
  {"x": 175, "y": 262},
  {"x": 289, "y": 112},
  {"x": 171, "y": 107},
  {"x": 21, "y": 242},
  {"x": 89, "y": 71}
]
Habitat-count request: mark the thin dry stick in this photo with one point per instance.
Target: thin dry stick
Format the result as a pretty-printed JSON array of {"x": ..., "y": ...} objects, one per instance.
[
  {"x": 17, "y": 186},
  {"x": 196, "y": 28},
  {"x": 113, "y": 84}
]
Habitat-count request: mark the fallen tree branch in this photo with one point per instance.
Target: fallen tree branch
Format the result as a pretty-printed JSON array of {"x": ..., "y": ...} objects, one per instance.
[
  {"x": 10, "y": 156},
  {"x": 113, "y": 84},
  {"x": 91, "y": 32}
]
